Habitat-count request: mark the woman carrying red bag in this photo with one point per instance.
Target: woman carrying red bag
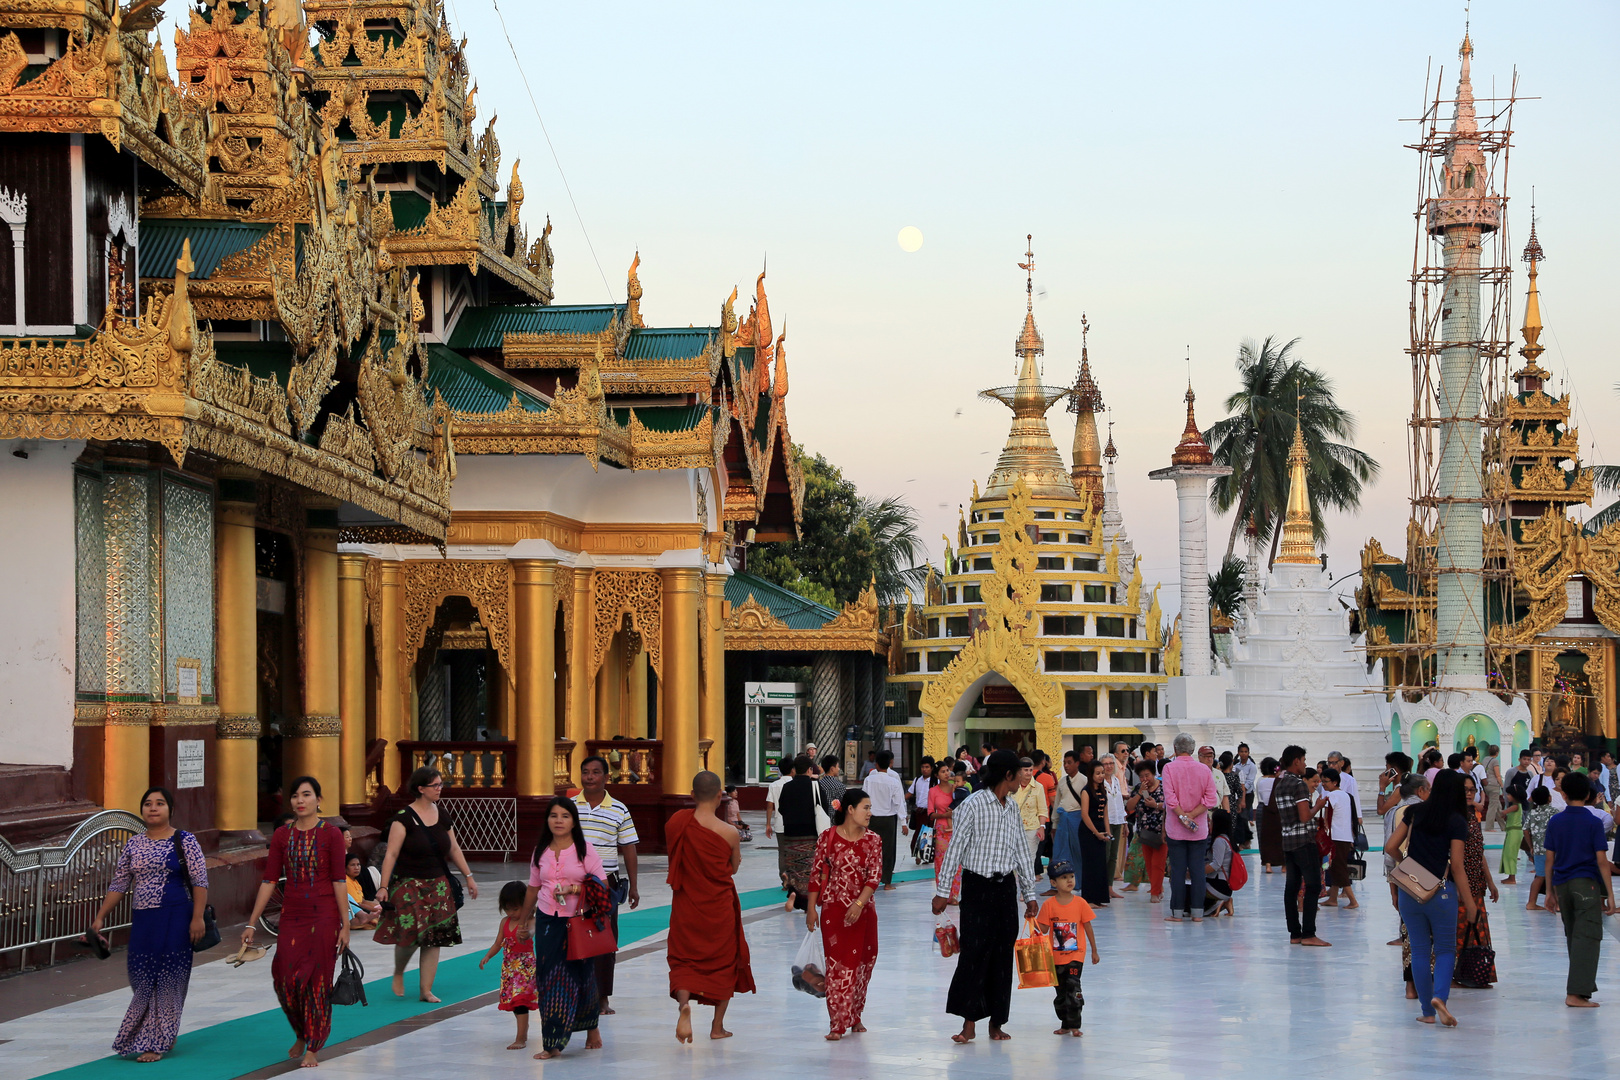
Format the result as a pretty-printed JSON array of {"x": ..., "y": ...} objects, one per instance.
[{"x": 563, "y": 861}]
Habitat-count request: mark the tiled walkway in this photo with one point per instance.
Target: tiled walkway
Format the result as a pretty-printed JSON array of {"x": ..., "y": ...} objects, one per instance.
[{"x": 1168, "y": 1001}]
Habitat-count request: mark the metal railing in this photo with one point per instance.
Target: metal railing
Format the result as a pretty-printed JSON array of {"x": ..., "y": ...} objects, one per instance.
[
  {"x": 484, "y": 825},
  {"x": 49, "y": 894}
]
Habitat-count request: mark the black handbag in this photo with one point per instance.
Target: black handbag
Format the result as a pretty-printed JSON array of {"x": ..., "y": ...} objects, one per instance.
[
  {"x": 210, "y": 936},
  {"x": 1475, "y": 961},
  {"x": 350, "y": 985}
]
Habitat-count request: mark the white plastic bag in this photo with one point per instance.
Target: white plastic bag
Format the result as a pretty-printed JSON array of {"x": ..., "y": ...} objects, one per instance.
[{"x": 810, "y": 966}]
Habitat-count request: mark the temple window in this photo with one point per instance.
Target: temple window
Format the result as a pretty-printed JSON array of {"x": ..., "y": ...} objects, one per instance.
[
  {"x": 958, "y": 626},
  {"x": 939, "y": 661},
  {"x": 1079, "y": 538},
  {"x": 913, "y": 661},
  {"x": 990, "y": 538},
  {"x": 970, "y": 594},
  {"x": 983, "y": 564},
  {"x": 1045, "y": 515},
  {"x": 1063, "y": 626},
  {"x": 1073, "y": 515},
  {"x": 1080, "y": 704},
  {"x": 1110, "y": 626},
  {"x": 1089, "y": 565},
  {"x": 933, "y": 628},
  {"x": 1051, "y": 538},
  {"x": 997, "y": 515},
  {"x": 1127, "y": 704},
  {"x": 1134, "y": 662},
  {"x": 1057, "y": 594},
  {"x": 1096, "y": 594},
  {"x": 1050, "y": 562}
]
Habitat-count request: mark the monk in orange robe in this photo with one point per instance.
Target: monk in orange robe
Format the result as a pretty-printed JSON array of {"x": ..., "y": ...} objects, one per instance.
[{"x": 708, "y": 954}]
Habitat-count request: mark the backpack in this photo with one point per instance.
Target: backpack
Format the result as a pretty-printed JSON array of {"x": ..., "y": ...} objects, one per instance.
[{"x": 1239, "y": 876}]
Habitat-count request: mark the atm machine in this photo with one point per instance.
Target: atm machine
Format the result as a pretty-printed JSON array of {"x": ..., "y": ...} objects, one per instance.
[{"x": 774, "y": 713}]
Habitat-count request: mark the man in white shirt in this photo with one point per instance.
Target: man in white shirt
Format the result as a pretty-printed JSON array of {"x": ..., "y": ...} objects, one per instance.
[
  {"x": 1342, "y": 829},
  {"x": 773, "y": 795},
  {"x": 888, "y": 803},
  {"x": 1248, "y": 771}
]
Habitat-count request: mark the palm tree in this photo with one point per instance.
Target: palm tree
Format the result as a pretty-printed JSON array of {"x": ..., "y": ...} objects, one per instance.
[
  {"x": 1254, "y": 440},
  {"x": 896, "y": 545},
  {"x": 1226, "y": 587}
]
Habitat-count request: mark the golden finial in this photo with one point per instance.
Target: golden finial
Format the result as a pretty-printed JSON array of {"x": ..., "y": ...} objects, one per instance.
[
  {"x": 1299, "y": 533},
  {"x": 1192, "y": 449}
]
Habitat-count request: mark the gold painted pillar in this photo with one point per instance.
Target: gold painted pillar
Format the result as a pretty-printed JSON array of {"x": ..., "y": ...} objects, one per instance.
[
  {"x": 581, "y": 675},
  {"x": 610, "y": 691},
  {"x": 351, "y": 679},
  {"x": 236, "y": 676},
  {"x": 712, "y": 725},
  {"x": 678, "y": 724},
  {"x": 534, "y": 665},
  {"x": 391, "y": 689},
  {"x": 312, "y": 745},
  {"x": 637, "y": 705}
]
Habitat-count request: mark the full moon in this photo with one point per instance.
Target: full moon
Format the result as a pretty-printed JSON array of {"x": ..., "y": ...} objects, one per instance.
[{"x": 911, "y": 238}]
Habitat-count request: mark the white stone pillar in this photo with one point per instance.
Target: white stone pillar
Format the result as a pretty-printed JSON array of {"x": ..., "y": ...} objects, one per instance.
[{"x": 1191, "y": 502}]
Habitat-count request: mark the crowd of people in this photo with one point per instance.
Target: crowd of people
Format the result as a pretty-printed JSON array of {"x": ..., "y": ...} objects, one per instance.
[{"x": 994, "y": 825}]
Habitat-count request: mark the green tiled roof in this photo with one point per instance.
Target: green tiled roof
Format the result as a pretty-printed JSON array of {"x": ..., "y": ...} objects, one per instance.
[
  {"x": 665, "y": 417},
  {"x": 211, "y": 241},
  {"x": 486, "y": 327},
  {"x": 671, "y": 344},
  {"x": 410, "y": 209},
  {"x": 469, "y": 386},
  {"x": 793, "y": 609}
]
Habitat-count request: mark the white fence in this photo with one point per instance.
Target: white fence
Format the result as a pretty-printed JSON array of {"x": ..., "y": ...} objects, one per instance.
[
  {"x": 50, "y": 894},
  {"x": 484, "y": 824}
]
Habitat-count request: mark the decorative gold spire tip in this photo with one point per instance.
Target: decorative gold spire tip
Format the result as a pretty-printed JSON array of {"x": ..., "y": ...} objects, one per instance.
[{"x": 1192, "y": 449}]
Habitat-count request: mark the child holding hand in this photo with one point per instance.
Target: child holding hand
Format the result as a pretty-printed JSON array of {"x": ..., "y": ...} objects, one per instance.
[
  {"x": 518, "y": 992},
  {"x": 1063, "y": 917}
]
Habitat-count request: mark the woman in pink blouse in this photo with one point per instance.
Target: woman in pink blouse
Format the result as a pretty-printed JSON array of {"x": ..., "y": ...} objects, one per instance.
[{"x": 567, "y": 988}]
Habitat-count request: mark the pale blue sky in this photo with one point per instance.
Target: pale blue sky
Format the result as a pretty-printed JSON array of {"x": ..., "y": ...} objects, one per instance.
[{"x": 1194, "y": 174}]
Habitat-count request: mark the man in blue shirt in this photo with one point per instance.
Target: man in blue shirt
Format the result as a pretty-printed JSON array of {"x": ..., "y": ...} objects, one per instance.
[{"x": 1581, "y": 888}]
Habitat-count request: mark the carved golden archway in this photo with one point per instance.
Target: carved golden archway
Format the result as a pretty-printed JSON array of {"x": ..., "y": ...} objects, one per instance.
[
  {"x": 1001, "y": 654},
  {"x": 426, "y": 583},
  {"x": 638, "y": 593}
]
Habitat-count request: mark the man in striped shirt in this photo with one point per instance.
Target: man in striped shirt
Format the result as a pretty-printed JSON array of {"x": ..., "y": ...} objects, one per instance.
[
  {"x": 988, "y": 846},
  {"x": 608, "y": 826}
]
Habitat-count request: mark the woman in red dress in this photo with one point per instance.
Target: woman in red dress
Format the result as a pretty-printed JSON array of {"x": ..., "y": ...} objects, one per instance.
[
  {"x": 941, "y": 801},
  {"x": 846, "y": 871},
  {"x": 313, "y": 932}
]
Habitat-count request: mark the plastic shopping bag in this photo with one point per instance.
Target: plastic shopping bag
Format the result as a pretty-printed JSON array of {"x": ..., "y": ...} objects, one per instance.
[
  {"x": 810, "y": 966},
  {"x": 945, "y": 934},
  {"x": 1035, "y": 964}
]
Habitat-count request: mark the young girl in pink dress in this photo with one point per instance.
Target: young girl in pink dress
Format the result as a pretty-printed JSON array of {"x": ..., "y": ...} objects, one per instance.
[{"x": 518, "y": 993}]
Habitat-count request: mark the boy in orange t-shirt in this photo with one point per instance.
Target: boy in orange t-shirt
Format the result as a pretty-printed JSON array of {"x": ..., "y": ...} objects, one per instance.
[{"x": 1062, "y": 917}]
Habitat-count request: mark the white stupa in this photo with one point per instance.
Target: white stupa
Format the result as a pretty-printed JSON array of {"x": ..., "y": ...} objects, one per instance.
[{"x": 1298, "y": 675}]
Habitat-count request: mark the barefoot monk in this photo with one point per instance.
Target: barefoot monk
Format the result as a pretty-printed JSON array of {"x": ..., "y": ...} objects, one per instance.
[{"x": 708, "y": 954}]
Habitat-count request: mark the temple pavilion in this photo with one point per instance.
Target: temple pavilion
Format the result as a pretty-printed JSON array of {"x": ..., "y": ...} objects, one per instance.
[
  {"x": 1039, "y": 633},
  {"x": 304, "y": 469}
]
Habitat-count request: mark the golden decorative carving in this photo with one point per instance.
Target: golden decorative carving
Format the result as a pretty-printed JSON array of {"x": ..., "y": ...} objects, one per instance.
[
  {"x": 312, "y": 727},
  {"x": 424, "y": 584},
  {"x": 859, "y": 614},
  {"x": 637, "y": 593},
  {"x": 238, "y": 727},
  {"x": 751, "y": 616},
  {"x": 1004, "y": 642}
]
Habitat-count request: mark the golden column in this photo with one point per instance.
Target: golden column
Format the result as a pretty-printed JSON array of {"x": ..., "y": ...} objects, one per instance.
[
  {"x": 712, "y": 725},
  {"x": 391, "y": 717},
  {"x": 638, "y": 694},
  {"x": 352, "y": 678},
  {"x": 581, "y": 675},
  {"x": 311, "y": 747},
  {"x": 236, "y": 676},
  {"x": 678, "y": 722},
  {"x": 534, "y": 663},
  {"x": 610, "y": 691}
]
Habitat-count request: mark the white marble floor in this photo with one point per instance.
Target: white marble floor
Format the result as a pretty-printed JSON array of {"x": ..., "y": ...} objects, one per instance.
[{"x": 1167, "y": 1001}]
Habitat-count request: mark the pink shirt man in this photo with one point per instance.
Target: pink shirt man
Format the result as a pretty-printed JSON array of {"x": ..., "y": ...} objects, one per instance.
[
  {"x": 563, "y": 868},
  {"x": 1187, "y": 783}
]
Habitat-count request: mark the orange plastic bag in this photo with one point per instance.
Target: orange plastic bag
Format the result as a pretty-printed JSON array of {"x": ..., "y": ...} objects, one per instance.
[{"x": 1035, "y": 964}]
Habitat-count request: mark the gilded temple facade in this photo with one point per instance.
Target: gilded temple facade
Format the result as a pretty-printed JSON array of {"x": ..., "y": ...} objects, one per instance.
[
  {"x": 1554, "y": 620},
  {"x": 305, "y": 472},
  {"x": 1039, "y": 633}
]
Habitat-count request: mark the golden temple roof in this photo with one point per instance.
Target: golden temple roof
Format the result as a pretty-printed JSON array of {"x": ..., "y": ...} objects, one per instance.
[
  {"x": 1532, "y": 319},
  {"x": 1084, "y": 401}
]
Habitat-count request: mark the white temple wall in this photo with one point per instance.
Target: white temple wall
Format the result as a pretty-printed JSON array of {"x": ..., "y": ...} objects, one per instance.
[
  {"x": 37, "y": 610},
  {"x": 566, "y": 485}
]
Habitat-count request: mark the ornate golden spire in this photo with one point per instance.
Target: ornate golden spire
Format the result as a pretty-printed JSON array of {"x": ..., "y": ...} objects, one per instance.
[
  {"x": 1532, "y": 318},
  {"x": 1299, "y": 535},
  {"x": 1029, "y": 453},
  {"x": 1084, "y": 402},
  {"x": 1192, "y": 449}
]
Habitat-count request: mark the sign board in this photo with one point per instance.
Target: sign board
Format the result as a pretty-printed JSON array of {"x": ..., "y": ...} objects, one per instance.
[
  {"x": 188, "y": 681},
  {"x": 1002, "y": 695},
  {"x": 1575, "y": 599},
  {"x": 189, "y": 754}
]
